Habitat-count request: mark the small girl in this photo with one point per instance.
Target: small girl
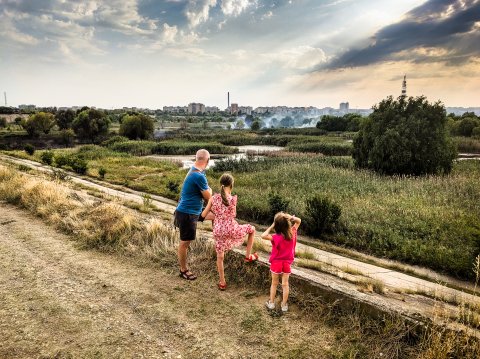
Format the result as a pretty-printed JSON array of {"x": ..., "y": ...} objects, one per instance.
[
  {"x": 227, "y": 233},
  {"x": 283, "y": 252}
]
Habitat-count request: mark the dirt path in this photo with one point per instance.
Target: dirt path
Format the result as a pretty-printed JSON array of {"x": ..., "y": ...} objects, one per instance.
[{"x": 60, "y": 301}]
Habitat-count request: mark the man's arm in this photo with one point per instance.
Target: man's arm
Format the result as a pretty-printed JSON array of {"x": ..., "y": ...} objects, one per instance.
[{"x": 207, "y": 194}]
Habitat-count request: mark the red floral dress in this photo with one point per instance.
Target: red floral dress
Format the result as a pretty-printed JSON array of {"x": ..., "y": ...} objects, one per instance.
[{"x": 226, "y": 231}]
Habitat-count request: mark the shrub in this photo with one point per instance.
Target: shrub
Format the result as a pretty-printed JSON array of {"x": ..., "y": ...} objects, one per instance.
[
  {"x": 102, "y": 172},
  {"x": 3, "y": 122},
  {"x": 47, "y": 157},
  {"x": 173, "y": 186},
  {"x": 277, "y": 203},
  {"x": 29, "y": 149},
  {"x": 321, "y": 215},
  {"x": 79, "y": 165},
  {"x": 405, "y": 136},
  {"x": 114, "y": 139},
  {"x": 62, "y": 160}
]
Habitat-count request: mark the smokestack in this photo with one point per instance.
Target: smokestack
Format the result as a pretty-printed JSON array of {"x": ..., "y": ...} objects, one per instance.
[
  {"x": 5, "y": 95},
  {"x": 228, "y": 99}
]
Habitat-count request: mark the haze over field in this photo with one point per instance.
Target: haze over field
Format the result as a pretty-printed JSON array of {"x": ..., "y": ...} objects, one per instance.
[{"x": 149, "y": 53}]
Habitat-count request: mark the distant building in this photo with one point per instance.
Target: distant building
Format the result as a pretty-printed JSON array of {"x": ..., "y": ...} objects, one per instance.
[
  {"x": 211, "y": 109},
  {"x": 245, "y": 110},
  {"x": 344, "y": 106},
  {"x": 234, "y": 109},
  {"x": 175, "y": 109},
  {"x": 195, "y": 108},
  {"x": 27, "y": 107}
]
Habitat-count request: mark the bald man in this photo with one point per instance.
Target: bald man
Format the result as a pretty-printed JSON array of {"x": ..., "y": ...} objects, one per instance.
[{"x": 195, "y": 189}]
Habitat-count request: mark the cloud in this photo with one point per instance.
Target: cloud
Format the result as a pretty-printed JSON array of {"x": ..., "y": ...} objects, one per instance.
[
  {"x": 298, "y": 58},
  {"x": 235, "y": 7},
  {"x": 198, "y": 11},
  {"x": 445, "y": 31}
]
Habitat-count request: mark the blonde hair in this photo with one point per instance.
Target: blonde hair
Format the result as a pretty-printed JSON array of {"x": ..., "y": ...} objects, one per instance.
[
  {"x": 226, "y": 181},
  {"x": 282, "y": 225}
]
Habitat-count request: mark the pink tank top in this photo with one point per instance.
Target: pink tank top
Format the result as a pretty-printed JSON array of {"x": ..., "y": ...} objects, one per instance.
[{"x": 282, "y": 249}]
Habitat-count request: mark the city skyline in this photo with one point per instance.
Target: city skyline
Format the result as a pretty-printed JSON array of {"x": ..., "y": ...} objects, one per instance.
[{"x": 151, "y": 54}]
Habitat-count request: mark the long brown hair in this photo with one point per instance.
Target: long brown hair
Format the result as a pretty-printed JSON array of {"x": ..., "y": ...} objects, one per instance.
[
  {"x": 226, "y": 181},
  {"x": 283, "y": 226}
]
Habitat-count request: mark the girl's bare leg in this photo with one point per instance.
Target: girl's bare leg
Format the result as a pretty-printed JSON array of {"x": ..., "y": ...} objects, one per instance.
[
  {"x": 221, "y": 272},
  {"x": 273, "y": 287},
  {"x": 251, "y": 238},
  {"x": 285, "y": 288}
]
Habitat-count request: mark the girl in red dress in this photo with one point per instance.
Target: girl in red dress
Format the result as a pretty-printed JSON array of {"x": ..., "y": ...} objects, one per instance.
[{"x": 227, "y": 233}]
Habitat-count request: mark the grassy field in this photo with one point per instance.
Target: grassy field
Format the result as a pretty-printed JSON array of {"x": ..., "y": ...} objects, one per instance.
[
  {"x": 430, "y": 221},
  {"x": 236, "y": 317}
]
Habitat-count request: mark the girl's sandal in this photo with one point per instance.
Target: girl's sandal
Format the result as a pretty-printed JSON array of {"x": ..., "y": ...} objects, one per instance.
[
  {"x": 187, "y": 275},
  {"x": 222, "y": 286},
  {"x": 251, "y": 258}
]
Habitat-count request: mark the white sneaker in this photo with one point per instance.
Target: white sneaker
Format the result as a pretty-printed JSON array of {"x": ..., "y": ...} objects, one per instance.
[
  {"x": 285, "y": 308},
  {"x": 270, "y": 305}
]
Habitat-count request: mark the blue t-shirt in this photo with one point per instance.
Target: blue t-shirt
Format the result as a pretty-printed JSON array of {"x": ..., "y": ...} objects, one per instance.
[{"x": 191, "y": 199}]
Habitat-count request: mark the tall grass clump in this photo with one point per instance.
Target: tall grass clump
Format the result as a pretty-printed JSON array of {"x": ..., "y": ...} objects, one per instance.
[{"x": 467, "y": 144}]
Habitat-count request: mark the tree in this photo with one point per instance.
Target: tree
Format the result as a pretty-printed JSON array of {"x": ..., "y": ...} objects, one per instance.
[
  {"x": 405, "y": 136},
  {"x": 240, "y": 125},
  {"x": 91, "y": 124},
  {"x": 138, "y": 126},
  {"x": 255, "y": 125},
  {"x": 39, "y": 122},
  {"x": 65, "y": 118},
  {"x": 3, "y": 122},
  {"x": 287, "y": 122}
]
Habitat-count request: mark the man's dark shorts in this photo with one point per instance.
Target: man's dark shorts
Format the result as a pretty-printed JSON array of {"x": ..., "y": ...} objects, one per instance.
[{"x": 187, "y": 224}]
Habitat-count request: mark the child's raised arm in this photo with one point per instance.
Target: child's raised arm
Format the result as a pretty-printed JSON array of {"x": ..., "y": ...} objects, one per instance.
[
  {"x": 296, "y": 221},
  {"x": 266, "y": 235},
  {"x": 207, "y": 208}
]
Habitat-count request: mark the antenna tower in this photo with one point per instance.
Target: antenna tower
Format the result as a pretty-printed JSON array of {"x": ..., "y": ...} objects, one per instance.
[{"x": 404, "y": 86}]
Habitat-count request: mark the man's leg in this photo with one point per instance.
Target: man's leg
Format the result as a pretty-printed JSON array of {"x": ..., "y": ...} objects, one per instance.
[{"x": 182, "y": 255}]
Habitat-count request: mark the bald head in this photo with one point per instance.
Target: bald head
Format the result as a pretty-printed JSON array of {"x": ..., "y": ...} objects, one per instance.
[{"x": 202, "y": 156}]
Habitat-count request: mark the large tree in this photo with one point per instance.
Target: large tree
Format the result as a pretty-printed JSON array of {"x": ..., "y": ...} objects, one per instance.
[
  {"x": 405, "y": 136},
  {"x": 139, "y": 126},
  {"x": 91, "y": 124},
  {"x": 65, "y": 118},
  {"x": 39, "y": 122}
]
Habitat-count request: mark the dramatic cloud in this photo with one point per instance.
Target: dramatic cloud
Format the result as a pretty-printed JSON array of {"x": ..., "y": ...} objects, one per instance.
[{"x": 438, "y": 31}]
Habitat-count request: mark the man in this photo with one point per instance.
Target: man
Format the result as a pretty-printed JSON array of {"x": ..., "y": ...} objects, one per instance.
[{"x": 195, "y": 189}]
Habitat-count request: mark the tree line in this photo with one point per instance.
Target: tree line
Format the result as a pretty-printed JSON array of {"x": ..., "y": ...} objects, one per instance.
[{"x": 89, "y": 124}]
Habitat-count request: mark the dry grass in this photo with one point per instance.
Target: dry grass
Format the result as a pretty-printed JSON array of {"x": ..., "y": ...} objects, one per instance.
[
  {"x": 305, "y": 255},
  {"x": 95, "y": 223},
  {"x": 372, "y": 285},
  {"x": 350, "y": 270}
]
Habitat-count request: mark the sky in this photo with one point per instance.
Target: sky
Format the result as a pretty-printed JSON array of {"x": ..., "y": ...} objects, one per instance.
[{"x": 151, "y": 53}]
